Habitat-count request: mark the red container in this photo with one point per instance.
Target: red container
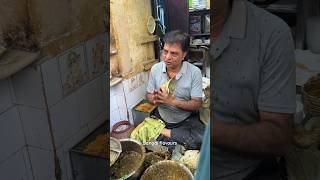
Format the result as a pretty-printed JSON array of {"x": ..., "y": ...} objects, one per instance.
[{"x": 122, "y": 129}]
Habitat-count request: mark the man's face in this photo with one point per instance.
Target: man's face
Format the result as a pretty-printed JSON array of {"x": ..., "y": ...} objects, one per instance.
[{"x": 173, "y": 55}]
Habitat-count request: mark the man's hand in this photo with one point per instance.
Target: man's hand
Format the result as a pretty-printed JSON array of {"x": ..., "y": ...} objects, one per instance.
[
  {"x": 165, "y": 98},
  {"x": 152, "y": 97},
  {"x": 157, "y": 97}
]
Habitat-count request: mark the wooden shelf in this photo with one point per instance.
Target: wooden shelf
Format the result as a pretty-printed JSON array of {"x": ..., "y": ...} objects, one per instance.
[
  {"x": 194, "y": 23},
  {"x": 147, "y": 65},
  {"x": 201, "y": 34},
  {"x": 198, "y": 10},
  {"x": 114, "y": 81},
  {"x": 148, "y": 39},
  {"x": 198, "y": 45}
]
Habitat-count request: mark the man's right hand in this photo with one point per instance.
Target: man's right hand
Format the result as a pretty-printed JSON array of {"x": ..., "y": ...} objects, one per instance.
[{"x": 152, "y": 97}]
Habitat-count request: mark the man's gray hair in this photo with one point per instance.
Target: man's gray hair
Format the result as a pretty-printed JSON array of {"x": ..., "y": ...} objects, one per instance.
[{"x": 177, "y": 37}]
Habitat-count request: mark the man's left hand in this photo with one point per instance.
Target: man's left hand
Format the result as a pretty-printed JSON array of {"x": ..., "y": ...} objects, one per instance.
[{"x": 166, "y": 98}]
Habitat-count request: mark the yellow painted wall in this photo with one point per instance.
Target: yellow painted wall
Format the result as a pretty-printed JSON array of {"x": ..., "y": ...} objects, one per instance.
[{"x": 129, "y": 22}]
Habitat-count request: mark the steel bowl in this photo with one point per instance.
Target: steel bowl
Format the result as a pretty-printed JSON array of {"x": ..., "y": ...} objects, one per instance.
[{"x": 167, "y": 169}]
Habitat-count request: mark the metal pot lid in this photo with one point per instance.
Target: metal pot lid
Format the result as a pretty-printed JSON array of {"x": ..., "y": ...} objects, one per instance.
[
  {"x": 151, "y": 25},
  {"x": 115, "y": 150}
]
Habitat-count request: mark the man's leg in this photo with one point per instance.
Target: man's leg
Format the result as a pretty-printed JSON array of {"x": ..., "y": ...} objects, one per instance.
[{"x": 190, "y": 133}]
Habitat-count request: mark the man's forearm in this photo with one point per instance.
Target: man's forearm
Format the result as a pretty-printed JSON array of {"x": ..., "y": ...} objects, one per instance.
[
  {"x": 261, "y": 138},
  {"x": 191, "y": 105}
]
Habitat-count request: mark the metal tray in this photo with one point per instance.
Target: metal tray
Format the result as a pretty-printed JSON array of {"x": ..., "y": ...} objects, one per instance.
[{"x": 88, "y": 166}]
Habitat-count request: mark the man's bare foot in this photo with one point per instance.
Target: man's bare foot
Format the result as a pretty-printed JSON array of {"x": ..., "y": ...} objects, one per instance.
[{"x": 166, "y": 132}]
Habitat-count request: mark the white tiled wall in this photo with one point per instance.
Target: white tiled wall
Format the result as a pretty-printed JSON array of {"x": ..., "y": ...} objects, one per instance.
[
  {"x": 36, "y": 128},
  {"x": 114, "y": 109},
  {"x": 114, "y": 117},
  {"x": 27, "y": 161},
  {"x": 42, "y": 162},
  {"x": 138, "y": 93},
  {"x": 71, "y": 142},
  {"x": 125, "y": 95},
  {"x": 135, "y": 96},
  {"x": 121, "y": 101},
  {"x": 89, "y": 101},
  {"x": 65, "y": 119},
  {"x": 26, "y": 146},
  {"x": 95, "y": 52},
  {"x": 73, "y": 68},
  {"x": 28, "y": 88},
  {"x": 11, "y": 133},
  {"x": 52, "y": 81},
  {"x": 98, "y": 121},
  {"x": 123, "y": 114},
  {"x": 15, "y": 167},
  {"x": 5, "y": 96},
  {"x": 62, "y": 162}
]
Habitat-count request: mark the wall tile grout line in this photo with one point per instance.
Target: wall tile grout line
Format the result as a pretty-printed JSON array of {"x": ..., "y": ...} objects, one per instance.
[
  {"x": 30, "y": 106},
  {"x": 8, "y": 109},
  {"x": 25, "y": 139},
  {"x": 28, "y": 154},
  {"x": 12, "y": 154},
  {"x": 57, "y": 166},
  {"x": 41, "y": 148},
  {"x": 74, "y": 91}
]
